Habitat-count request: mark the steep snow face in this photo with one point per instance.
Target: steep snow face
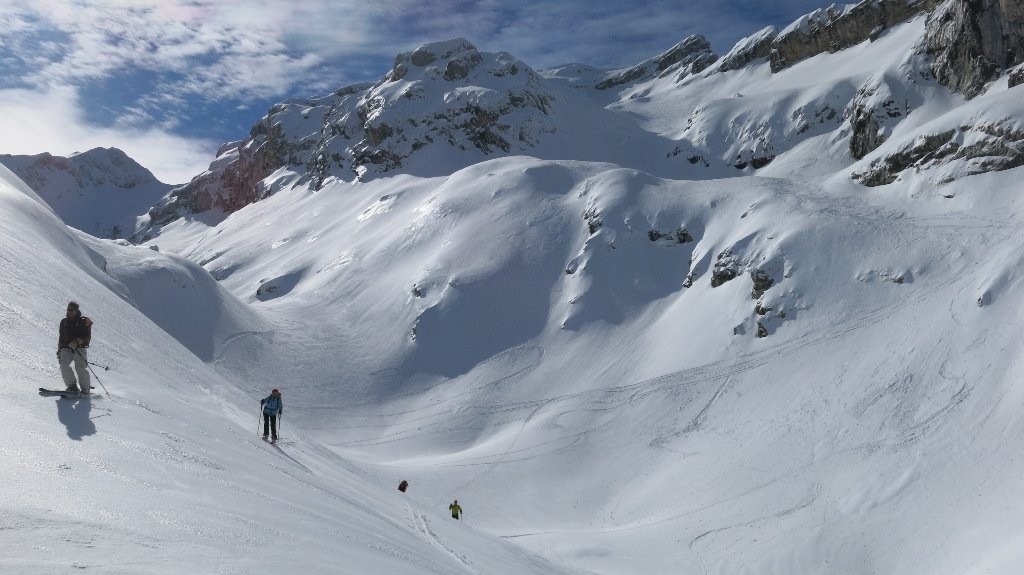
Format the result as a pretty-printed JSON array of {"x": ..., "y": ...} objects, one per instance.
[
  {"x": 101, "y": 192},
  {"x": 732, "y": 122},
  {"x": 162, "y": 471},
  {"x": 848, "y": 104}
]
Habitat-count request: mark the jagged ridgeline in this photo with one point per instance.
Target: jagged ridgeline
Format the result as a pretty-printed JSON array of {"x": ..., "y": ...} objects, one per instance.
[{"x": 447, "y": 105}]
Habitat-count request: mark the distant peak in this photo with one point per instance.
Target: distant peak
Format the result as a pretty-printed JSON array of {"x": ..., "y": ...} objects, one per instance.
[
  {"x": 104, "y": 152},
  {"x": 428, "y": 53}
]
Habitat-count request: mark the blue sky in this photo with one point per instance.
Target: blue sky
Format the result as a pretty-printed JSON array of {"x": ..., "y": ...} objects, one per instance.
[{"x": 169, "y": 81}]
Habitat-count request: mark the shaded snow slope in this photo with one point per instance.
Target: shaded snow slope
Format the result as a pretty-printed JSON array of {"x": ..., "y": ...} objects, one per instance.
[{"x": 167, "y": 474}]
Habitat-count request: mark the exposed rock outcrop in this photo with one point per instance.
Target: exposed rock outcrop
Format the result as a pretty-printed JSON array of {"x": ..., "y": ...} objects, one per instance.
[
  {"x": 840, "y": 26},
  {"x": 1015, "y": 77},
  {"x": 973, "y": 41},
  {"x": 438, "y": 99},
  {"x": 982, "y": 148},
  {"x": 690, "y": 56},
  {"x": 727, "y": 267},
  {"x": 761, "y": 280},
  {"x": 872, "y": 113},
  {"x": 755, "y": 47}
]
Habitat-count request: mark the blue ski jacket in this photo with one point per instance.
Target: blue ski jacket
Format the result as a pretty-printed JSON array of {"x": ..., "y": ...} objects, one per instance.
[{"x": 272, "y": 405}]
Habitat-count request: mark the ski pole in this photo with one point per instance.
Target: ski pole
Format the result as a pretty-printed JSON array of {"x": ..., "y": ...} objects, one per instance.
[
  {"x": 105, "y": 368},
  {"x": 79, "y": 352}
]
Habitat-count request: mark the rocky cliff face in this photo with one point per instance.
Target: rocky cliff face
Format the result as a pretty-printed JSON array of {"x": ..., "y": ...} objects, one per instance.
[
  {"x": 447, "y": 105},
  {"x": 972, "y": 42},
  {"x": 825, "y": 30},
  {"x": 436, "y": 101},
  {"x": 873, "y": 113},
  {"x": 838, "y": 27},
  {"x": 749, "y": 49},
  {"x": 690, "y": 56},
  {"x": 969, "y": 44},
  {"x": 951, "y": 154}
]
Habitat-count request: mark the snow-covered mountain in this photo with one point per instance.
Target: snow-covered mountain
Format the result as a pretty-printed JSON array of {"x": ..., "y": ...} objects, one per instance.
[
  {"x": 751, "y": 313},
  {"x": 446, "y": 106},
  {"x": 102, "y": 191}
]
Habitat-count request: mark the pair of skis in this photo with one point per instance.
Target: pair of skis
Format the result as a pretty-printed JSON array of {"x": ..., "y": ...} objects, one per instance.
[{"x": 64, "y": 393}]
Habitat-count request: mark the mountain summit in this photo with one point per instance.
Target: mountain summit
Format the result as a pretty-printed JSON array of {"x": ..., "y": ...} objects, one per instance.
[
  {"x": 101, "y": 191},
  {"x": 447, "y": 105}
]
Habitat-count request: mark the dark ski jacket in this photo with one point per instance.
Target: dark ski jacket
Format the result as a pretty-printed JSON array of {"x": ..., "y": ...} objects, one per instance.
[
  {"x": 72, "y": 328},
  {"x": 272, "y": 405}
]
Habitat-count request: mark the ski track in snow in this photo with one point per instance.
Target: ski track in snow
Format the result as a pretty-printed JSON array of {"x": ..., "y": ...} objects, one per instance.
[
  {"x": 620, "y": 395},
  {"x": 422, "y": 525},
  {"x": 906, "y": 230}
]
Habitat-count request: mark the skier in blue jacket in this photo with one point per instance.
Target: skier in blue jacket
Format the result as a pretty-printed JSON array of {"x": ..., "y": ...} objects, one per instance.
[{"x": 272, "y": 408}]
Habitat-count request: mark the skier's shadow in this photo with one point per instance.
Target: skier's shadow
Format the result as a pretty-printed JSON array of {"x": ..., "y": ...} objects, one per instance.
[{"x": 74, "y": 414}]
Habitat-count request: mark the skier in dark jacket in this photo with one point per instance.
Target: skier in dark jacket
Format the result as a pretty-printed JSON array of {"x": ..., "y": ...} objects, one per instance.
[
  {"x": 273, "y": 406},
  {"x": 74, "y": 337}
]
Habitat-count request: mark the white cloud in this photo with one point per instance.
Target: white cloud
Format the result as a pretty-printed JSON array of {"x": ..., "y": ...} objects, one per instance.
[
  {"x": 51, "y": 121},
  {"x": 217, "y": 45}
]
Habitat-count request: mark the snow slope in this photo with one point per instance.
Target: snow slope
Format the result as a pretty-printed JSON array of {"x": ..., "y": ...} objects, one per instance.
[{"x": 166, "y": 473}]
